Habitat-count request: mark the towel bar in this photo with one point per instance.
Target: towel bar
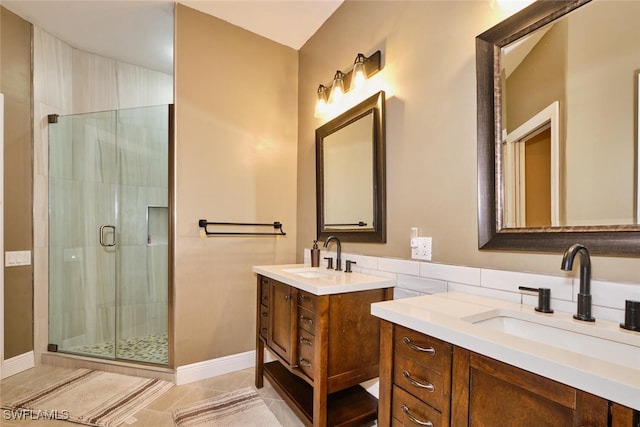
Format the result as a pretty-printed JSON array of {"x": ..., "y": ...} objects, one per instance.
[{"x": 203, "y": 223}]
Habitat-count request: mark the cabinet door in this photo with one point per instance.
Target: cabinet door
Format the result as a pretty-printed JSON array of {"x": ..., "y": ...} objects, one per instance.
[
  {"x": 281, "y": 322},
  {"x": 499, "y": 392}
]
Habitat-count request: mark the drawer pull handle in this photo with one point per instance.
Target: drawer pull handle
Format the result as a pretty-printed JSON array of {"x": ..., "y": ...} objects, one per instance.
[
  {"x": 286, "y": 297},
  {"x": 303, "y": 340},
  {"x": 414, "y": 419},
  {"x": 305, "y": 363},
  {"x": 264, "y": 314},
  {"x": 266, "y": 297},
  {"x": 263, "y": 330},
  {"x": 306, "y": 319},
  {"x": 426, "y": 386},
  {"x": 303, "y": 296},
  {"x": 429, "y": 350}
]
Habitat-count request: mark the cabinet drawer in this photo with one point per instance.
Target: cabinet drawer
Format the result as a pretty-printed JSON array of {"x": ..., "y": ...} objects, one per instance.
[
  {"x": 422, "y": 382},
  {"x": 411, "y": 411},
  {"x": 306, "y": 320},
  {"x": 264, "y": 291},
  {"x": 306, "y": 300},
  {"x": 428, "y": 351},
  {"x": 305, "y": 344},
  {"x": 264, "y": 320}
]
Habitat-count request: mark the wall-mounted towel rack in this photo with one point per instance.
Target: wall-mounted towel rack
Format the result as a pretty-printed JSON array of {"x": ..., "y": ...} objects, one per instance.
[
  {"x": 357, "y": 224},
  {"x": 203, "y": 223}
]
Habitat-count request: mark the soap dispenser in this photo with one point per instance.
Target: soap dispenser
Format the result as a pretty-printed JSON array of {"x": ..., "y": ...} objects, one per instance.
[{"x": 315, "y": 255}]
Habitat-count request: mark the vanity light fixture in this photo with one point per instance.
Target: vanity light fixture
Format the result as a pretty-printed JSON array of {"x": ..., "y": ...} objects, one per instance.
[{"x": 331, "y": 95}]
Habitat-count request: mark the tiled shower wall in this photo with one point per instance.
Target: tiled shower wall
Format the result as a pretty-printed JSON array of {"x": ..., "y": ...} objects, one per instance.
[
  {"x": 415, "y": 278},
  {"x": 71, "y": 81}
]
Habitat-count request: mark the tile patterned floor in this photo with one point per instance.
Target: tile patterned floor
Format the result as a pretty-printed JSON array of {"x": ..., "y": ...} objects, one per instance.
[
  {"x": 156, "y": 414},
  {"x": 152, "y": 349}
]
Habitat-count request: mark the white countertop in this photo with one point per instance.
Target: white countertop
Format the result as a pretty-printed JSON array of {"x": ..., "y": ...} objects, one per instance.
[
  {"x": 443, "y": 316},
  {"x": 331, "y": 282}
]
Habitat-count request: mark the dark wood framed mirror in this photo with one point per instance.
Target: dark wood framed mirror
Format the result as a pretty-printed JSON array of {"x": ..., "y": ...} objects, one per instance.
[
  {"x": 350, "y": 174},
  {"x": 495, "y": 229}
]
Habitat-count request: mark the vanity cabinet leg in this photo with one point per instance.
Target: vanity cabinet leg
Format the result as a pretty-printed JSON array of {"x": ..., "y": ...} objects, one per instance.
[
  {"x": 319, "y": 406},
  {"x": 386, "y": 373},
  {"x": 320, "y": 369},
  {"x": 259, "y": 380}
]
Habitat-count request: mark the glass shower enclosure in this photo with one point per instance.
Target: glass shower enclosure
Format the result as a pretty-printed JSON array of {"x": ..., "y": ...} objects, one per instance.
[{"x": 109, "y": 234}]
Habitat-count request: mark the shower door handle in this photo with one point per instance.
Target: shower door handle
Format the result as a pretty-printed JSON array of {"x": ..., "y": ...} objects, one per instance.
[{"x": 102, "y": 239}]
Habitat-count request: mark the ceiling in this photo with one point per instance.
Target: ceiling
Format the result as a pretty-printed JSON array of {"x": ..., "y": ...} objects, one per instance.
[{"x": 141, "y": 31}]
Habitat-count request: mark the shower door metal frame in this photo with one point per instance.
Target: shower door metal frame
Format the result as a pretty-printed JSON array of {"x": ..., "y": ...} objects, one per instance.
[{"x": 170, "y": 246}]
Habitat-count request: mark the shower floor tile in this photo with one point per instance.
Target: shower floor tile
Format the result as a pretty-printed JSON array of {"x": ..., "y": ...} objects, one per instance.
[{"x": 150, "y": 349}]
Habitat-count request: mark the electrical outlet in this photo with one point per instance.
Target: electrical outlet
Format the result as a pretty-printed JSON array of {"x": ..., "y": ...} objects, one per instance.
[{"x": 423, "y": 250}]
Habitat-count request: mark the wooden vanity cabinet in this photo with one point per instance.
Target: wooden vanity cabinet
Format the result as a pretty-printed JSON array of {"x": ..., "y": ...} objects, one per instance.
[
  {"x": 325, "y": 346},
  {"x": 469, "y": 389}
]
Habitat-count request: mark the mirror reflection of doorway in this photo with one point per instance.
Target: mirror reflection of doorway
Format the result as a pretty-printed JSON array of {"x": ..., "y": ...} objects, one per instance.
[
  {"x": 533, "y": 180},
  {"x": 531, "y": 172},
  {"x": 537, "y": 182}
]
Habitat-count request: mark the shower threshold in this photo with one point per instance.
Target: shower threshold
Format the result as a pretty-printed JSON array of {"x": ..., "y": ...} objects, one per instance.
[
  {"x": 75, "y": 361},
  {"x": 148, "y": 349}
]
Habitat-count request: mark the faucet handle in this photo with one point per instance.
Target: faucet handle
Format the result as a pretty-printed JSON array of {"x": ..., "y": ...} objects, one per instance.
[
  {"x": 329, "y": 262},
  {"x": 631, "y": 315},
  {"x": 544, "y": 298},
  {"x": 349, "y": 264}
]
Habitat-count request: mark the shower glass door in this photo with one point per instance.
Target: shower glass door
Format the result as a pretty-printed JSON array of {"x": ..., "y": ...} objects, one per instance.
[{"x": 108, "y": 234}]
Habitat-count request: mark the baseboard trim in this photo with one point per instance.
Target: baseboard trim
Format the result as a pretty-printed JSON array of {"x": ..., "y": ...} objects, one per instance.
[
  {"x": 18, "y": 364},
  {"x": 210, "y": 368}
]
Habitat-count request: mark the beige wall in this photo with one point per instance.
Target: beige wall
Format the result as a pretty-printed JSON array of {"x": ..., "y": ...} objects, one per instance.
[
  {"x": 428, "y": 53},
  {"x": 15, "y": 83},
  {"x": 236, "y": 126}
]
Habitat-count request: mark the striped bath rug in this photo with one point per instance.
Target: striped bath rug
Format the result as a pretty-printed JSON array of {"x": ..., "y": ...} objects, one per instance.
[
  {"x": 89, "y": 397},
  {"x": 241, "y": 408}
]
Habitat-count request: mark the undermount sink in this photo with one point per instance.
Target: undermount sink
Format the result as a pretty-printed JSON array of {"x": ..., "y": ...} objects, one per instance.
[
  {"x": 307, "y": 272},
  {"x": 604, "y": 342}
]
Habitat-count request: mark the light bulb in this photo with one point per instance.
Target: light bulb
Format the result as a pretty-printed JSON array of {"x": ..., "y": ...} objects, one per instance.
[
  {"x": 321, "y": 102},
  {"x": 359, "y": 73},
  {"x": 337, "y": 88}
]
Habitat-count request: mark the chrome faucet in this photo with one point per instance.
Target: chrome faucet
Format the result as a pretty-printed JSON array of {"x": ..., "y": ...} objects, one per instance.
[
  {"x": 339, "y": 249},
  {"x": 584, "y": 296}
]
